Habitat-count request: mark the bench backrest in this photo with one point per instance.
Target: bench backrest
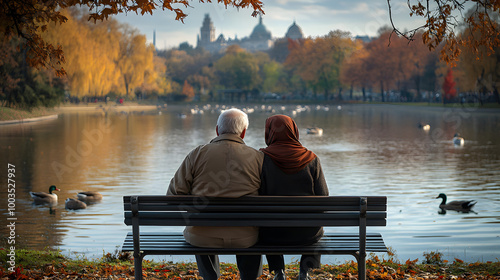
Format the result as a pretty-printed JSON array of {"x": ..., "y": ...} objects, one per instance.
[{"x": 274, "y": 211}]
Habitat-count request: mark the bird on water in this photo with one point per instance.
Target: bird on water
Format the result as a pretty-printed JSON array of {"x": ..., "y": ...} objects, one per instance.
[{"x": 457, "y": 205}]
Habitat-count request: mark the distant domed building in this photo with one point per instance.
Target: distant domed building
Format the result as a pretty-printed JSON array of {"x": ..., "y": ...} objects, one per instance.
[
  {"x": 259, "y": 40},
  {"x": 294, "y": 32}
]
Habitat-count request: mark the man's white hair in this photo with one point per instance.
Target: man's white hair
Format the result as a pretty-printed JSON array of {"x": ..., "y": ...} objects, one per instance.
[{"x": 232, "y": 121}]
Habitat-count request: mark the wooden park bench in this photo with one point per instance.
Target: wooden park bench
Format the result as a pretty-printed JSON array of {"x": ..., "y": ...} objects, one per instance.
[{"x": 260, "y": 211}]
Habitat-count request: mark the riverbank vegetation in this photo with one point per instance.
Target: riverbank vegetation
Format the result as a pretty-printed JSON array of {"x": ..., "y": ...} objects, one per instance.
[
  {"x": 8, "y": 114},
  {"x": 32, "y": 264}
]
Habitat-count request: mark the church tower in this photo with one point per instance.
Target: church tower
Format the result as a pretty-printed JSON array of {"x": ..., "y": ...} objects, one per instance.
[
  {"x": 207, "y": 32},
  {"x": 154, "y": 38}
]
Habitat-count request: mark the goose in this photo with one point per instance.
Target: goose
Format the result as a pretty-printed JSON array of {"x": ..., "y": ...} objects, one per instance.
[
  {"x": 89, "y": 196},
  {"x": 314, "y": 130},
  {"x": 457, "y": 140},
  {"x": 73, "y": 204},
  {"x": 45, "y": 198},
  {"x": 462, "y": 205},
  {"x": 424, "y": 126}
]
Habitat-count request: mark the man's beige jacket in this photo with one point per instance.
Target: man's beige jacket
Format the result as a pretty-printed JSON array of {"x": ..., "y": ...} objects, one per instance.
[{"x": 225, "y": 167}]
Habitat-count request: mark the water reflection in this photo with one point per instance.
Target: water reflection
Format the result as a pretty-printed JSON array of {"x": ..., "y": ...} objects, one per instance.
[{"x": 373, "y": 150}]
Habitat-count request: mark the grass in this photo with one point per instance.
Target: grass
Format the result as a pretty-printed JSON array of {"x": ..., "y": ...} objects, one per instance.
[
  {"x": 8, "y": 114},
  {"x": 32, "y": 264}
]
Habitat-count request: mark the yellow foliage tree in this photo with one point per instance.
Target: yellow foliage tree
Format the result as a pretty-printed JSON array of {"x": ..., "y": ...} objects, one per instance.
[
  {"x": 90, "y": 56},
  {"x": 107, "y": 57},
  {"x": 135, "y": 59}
]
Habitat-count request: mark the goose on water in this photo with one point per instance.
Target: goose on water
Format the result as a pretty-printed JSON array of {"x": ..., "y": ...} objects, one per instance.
[
  {"x": 424, "y": 126},
  {"x": 314, "y": 130},
  {"x": 74, "y": 204},
  {"x": 457, "y": 205},
  {"x": 89, "y": 196},
  {"x": 45, "y": 198},
  {"x": 458, "y": 140}
]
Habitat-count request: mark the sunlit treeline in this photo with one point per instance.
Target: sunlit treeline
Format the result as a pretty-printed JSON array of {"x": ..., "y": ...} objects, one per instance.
[
  {"x": 107, "y": 57},
  {"x": 337, "y": 67}
]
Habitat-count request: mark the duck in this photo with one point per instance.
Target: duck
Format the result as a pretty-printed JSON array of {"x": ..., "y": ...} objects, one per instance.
[
  {"x": 45, "y": 198},
  {"x": 314, "y": 130},
  {"x": 457, "y": 205},
  {"x": 74, "y": 204},
  {"x": 89, "y": 196},
  {"x": 458, "y": 140}
]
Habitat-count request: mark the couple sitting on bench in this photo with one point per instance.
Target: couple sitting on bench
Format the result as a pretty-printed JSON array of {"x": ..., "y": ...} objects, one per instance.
[{"x": 226, "y": 167}]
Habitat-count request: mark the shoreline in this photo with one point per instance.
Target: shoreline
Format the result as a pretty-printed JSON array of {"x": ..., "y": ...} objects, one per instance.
[
  {"x": 116, "y": 108},
  {"x": 54, "y": 113},
  {"x": 29, "y": 120}
]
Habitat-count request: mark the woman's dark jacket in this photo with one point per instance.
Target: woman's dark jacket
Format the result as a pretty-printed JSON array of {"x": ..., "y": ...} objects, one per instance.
[{"x": 309, "y": 181}]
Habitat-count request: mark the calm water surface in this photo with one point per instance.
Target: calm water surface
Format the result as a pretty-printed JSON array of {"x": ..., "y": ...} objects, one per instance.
[{"x": 365, "y": 149}]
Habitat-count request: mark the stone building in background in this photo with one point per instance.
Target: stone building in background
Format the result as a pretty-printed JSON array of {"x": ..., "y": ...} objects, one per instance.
[{"x": 259, "y": 40}]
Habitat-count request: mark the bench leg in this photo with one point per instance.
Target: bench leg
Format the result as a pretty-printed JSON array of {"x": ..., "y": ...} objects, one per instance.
[
  {"x": 138, "y": 267},
  {"x": 361, "y": 257}
]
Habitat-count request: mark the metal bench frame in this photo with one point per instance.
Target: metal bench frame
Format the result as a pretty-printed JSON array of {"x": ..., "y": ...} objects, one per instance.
[{"x": 260, "y": 211}]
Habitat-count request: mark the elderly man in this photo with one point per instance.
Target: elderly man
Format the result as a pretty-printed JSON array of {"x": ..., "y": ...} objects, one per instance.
[{"x": 225, "y": 167}]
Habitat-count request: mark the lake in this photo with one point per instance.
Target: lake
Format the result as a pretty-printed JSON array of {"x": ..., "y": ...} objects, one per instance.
[{"x": 364, "y": 150}]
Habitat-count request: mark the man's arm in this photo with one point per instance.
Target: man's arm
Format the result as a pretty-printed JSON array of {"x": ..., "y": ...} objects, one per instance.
[{"x": 182, "y": 181}]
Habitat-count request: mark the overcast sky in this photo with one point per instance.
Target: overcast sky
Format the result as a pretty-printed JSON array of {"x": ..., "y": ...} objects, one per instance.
[{"x": 315, "y": 17}]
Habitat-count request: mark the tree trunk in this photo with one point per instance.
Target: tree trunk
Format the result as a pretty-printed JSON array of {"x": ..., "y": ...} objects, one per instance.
[
  {"x": 417, "y": 81},
  {"x": 364, "y": 93},
  {"x": 350, "y": 91},
  {"x": 382, "y": 91},
  {"x": 126, "y": 85}
]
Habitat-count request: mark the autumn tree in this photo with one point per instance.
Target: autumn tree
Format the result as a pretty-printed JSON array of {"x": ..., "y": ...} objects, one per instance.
[
  {"x": 442, "y": 17},
  {"x": 135, "y": 59},
  {"x": 449, "y": 90},
  {"x": 155, "y": 81},
  {"x": 353, "y": 71},
  {"x": 273, "y": 77},
  {"x": 22, "y": 87},
  {"x": 380, "y": 65},
  {"x": 318, "y": 61},
  {"x": 479, "y": 73},
  {"x": 237, "y": 69},
  {"x": 187, "y": 91},
  {"x": 107, "y": 58},
  {"x": 194, "y": 65},
  {"x": 9, "y": 69}
]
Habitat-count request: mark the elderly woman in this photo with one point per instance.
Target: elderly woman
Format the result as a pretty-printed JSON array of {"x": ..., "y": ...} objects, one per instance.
[{"x": 290, "y": 169}]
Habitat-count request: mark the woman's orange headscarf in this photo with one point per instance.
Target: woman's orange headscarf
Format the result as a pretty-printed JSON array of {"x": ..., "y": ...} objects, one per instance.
[{"x": 283, "y": 146}]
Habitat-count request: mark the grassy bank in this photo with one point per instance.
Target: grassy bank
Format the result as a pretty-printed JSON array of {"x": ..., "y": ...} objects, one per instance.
[
  {"x": 8, "y": 114},
  {"x": 53, "y": 265}
]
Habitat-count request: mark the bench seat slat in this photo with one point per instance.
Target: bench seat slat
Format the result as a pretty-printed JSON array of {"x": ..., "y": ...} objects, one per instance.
[
  {"x": 271, "y": 200},
  {"x": 156, "y": 244},
  {"x": 255, "y": 208},
  {"x": 259, "y": 203},
  {"x": 255, "y": 219}
]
